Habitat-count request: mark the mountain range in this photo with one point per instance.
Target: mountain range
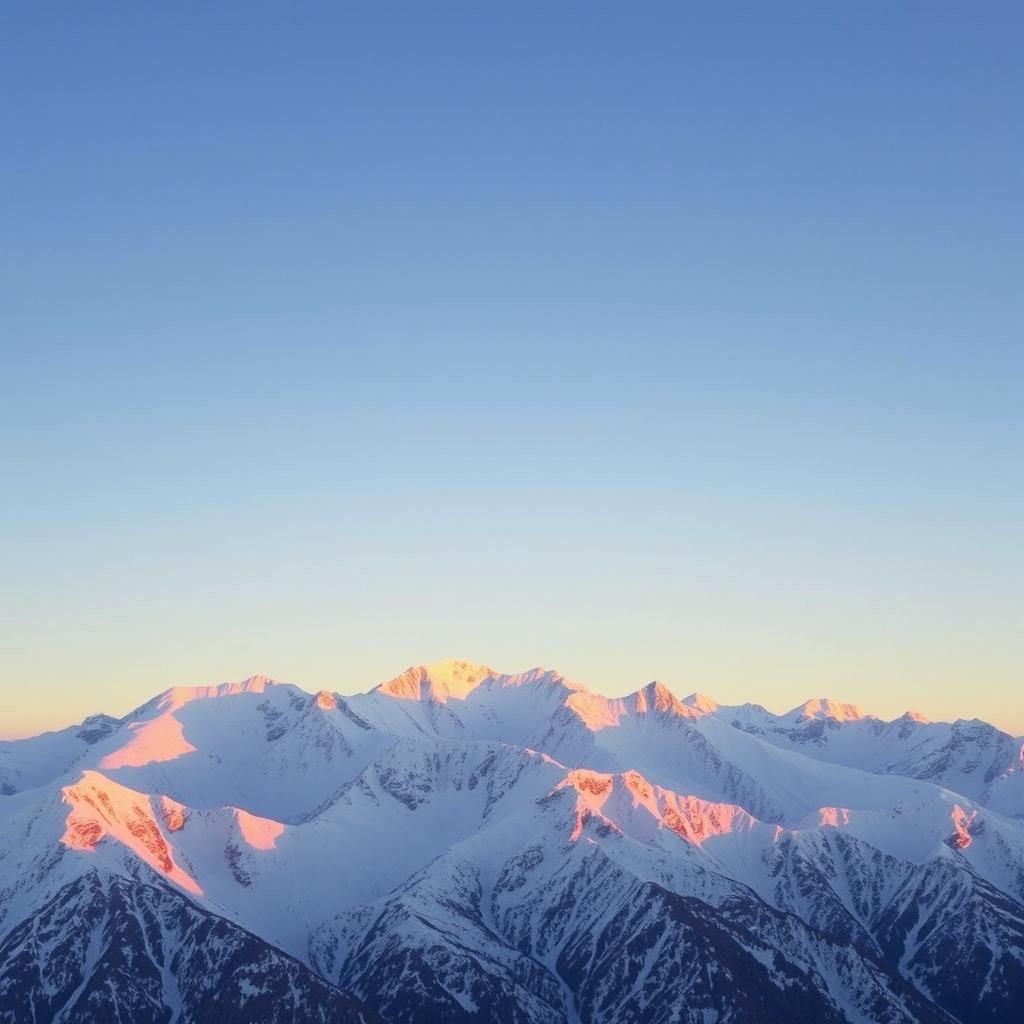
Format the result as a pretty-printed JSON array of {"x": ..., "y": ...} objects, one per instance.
[{"x": 468, "y": 846}]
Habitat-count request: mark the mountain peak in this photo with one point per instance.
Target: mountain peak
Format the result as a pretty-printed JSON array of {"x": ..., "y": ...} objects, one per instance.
[
  {"x": 441, "y": 681},
  {"x": 914, "y": 716},
  {"x": 536, "y": 677},
  {"x": 458, "y": 670},
  {"x": 254, "y": 683},
  {"x": 326, "y": 700},
  {"x": 656, "y": 696},
  {"x": 178, "y": 696},
  {"x": 825, "y": 707},
  {"x": 702, "y": 702}
]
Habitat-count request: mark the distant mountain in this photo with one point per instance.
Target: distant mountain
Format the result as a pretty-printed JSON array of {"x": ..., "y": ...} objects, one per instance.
[{"x": 464, "y": 845}]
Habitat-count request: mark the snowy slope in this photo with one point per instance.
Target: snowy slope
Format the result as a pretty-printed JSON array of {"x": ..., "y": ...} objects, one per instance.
[
  {"x": 969, "y": 757},
  {"x": 468, "y": 845},
  {"x": 37, "y": 761}
]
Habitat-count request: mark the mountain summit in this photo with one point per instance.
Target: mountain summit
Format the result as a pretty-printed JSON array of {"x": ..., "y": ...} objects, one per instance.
[{"x": 441, "y": 681}]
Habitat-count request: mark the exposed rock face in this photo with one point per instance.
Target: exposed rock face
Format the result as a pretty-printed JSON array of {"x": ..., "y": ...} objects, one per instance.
[{"x": 108, "y": 949}]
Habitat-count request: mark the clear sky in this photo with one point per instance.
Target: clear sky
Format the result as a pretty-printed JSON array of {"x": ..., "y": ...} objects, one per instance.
[{"x": 674, "y": 340}]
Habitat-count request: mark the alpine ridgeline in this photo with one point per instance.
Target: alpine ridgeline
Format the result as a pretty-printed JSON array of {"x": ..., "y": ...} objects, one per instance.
[{"x": 467, "y": 846}]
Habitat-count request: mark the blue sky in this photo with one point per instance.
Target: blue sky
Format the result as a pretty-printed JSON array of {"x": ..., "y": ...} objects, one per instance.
[{"x": 676, "y": 340}]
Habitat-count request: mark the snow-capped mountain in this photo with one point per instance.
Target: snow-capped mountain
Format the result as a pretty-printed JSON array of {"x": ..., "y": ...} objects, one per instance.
[{"x": 465, "y": 845}]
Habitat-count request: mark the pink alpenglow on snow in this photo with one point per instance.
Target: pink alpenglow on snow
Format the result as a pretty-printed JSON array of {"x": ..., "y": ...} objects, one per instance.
[
  {"x": 161, "y": 739},
  {"x": 101, "y": 808},
  {"x": 360, "y": 833},
  {"x": 259, "y": 833}
]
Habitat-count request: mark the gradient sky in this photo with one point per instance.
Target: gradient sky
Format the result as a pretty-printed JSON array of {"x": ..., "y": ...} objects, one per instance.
[{"x": 662, "y": 340}]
